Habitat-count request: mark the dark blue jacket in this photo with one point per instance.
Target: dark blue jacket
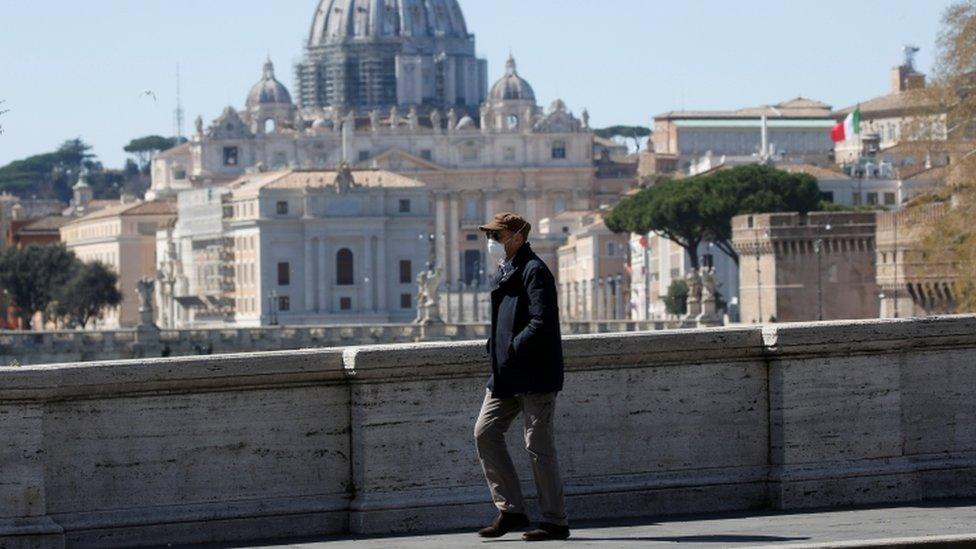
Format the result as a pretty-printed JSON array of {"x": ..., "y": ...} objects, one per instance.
[{"x": 525, "y": 343}]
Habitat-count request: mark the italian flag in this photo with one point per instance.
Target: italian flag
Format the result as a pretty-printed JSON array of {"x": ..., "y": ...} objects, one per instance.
[{"x": 845, "y": 130}]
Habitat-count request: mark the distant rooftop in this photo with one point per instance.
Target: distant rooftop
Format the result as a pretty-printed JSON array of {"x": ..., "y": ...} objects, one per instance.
[
  {"x": 799, "y": 108},
  {"x": 299, "y": 179}
]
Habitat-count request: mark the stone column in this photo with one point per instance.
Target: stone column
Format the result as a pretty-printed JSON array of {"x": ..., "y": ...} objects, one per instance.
[
  {"x": 367, "y": 280},
  {"x": 325, "y": 277},
  {"x": 563, "y": 298},
  {"x": 476, "y": 305},
  {"x": 461, "y": 288},
  {"x": 440, "y": 231},
  {"x": 598, "y": 299},
  {"x": 381, "y": 280},
  {"x": 309, "y": 276},
  {"x": 619, "y": 285},
  {"x": 453, "y": 253},
  {"x": 591, "y": 301},
  {"x": 575, "y": 303}
]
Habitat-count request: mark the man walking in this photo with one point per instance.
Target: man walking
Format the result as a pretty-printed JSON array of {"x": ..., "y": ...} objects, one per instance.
[{"x": 525, "y": 347}]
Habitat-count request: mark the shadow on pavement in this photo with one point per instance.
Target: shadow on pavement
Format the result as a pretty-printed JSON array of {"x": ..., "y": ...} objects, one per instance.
[{"x": 711, "y": 538}]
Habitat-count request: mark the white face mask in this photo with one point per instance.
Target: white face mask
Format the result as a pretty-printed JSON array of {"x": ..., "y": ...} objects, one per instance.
[{"x": 496, "y": 251}]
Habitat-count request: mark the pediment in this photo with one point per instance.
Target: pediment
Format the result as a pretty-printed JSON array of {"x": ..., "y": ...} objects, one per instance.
[{"x": 398, "y": 160}]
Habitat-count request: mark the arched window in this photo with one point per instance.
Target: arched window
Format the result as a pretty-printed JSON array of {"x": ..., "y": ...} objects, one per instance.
[
  {"x": 344, "y": 267},
  {"x": 512, "y": 122},
  {"x": 269, "y": 125}
]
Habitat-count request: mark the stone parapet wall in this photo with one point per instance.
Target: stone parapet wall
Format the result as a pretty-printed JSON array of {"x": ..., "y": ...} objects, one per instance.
[
  {"x": 374, "y": 439},
  {"x": 24, "y": 348}
]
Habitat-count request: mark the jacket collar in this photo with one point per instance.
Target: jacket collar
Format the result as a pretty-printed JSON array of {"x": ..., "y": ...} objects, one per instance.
[{"x": 518, "y": 261}]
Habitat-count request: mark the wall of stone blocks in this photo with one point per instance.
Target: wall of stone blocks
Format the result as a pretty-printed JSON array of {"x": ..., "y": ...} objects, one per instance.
[{"x": 376, "y": 439}]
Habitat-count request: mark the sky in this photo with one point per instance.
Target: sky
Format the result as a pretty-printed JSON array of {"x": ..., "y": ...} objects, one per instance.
[{"x": 71, "y": 68}]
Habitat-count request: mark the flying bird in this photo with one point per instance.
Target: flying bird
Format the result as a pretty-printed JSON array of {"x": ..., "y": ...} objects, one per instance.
[{"x": 150, "y": 93}]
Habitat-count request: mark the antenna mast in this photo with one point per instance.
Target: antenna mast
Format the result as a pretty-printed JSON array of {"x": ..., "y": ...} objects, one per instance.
[{"x": 178, "y": 113}]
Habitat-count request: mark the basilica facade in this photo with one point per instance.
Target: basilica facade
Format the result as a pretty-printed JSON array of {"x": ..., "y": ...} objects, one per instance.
[{"x": 505, "y": 152}]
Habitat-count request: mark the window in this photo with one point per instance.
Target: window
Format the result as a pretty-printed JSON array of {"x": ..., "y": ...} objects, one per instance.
[
  {"x": 426, "y": 154},
  {"x": 284, "y": 304},
  {"x": 889, "y": 199},
  {"x": 344, "y": 267},
  {"x": 857, "y": 199},
  {"x": 230, "y": 156},
  {"x": 363, "y": 156},
  {"x": 345, "y": 303},
  {"x": 558, "y": 150},
  {"x": 611, "y": 248},
  {"x": 406, "y": 301},
  {"x": 284, "y": 274},
  {"x": 873, "y": 198},
  {"x": 404, "y": 205},
  {"x": 827, "y": 196},
  {"x": 511, "y": 122},
  {"x": 471, "y": 209},
  {"x": 269, "y": 125},
  {"x": 471, "y": 238},
  {"x": 179, "y": 174},
  {"x": 406, "y": 271},
  {"x": 281, "y": 208},
  {"x": 509, "y": 153}
]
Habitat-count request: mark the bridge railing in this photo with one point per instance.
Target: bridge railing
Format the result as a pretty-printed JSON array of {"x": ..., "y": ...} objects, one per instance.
[{"x": 372, "y": 439}]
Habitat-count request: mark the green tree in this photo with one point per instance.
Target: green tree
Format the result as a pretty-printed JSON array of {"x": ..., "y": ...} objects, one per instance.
[
  {"x": 749, "y": 190},
  {"x": 31, "y": 276},
  {"x": 48, "y": 175},
  {"x": 672, "y": 209},
  {"x": 690, "y": 211},
  {"x": 90, "y": 290},
  {"x": 627, "y": 132},
  {"x": 947, "y": 242},
  {"x": 144, "y": 147},
  {"x": 676, "y": 300}
]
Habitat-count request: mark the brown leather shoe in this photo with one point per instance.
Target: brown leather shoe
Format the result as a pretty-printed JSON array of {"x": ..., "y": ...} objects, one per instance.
[
  {"x": 547, "y": 531},
  {"x": 504, "y": 523}
]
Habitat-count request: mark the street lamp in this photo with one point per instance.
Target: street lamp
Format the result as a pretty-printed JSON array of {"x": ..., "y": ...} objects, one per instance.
[
  {"x": 894, "y": 217},
  {"x": 618, "y": 302}
]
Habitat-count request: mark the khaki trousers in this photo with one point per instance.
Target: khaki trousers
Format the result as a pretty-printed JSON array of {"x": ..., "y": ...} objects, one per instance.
[{"x": 496, "y": 416}]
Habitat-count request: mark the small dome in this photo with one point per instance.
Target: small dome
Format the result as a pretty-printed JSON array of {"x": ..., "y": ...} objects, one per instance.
[
  {"x": 268, "y": 91},
  {"x": 511, "y": 87},
  {"x": 557, "y": 106}
]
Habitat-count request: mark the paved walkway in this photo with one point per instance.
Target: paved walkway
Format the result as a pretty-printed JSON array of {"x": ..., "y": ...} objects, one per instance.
[{"x": 953, "y": 522}]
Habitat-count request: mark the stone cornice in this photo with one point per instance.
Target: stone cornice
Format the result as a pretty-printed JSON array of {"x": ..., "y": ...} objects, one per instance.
[{"x": 170, "y": 375}]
